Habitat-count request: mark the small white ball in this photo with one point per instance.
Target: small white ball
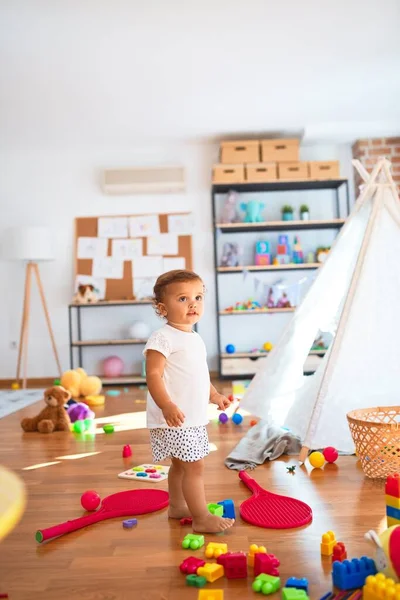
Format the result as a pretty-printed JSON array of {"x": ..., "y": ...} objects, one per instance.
[{"x": 139, "y": 330}]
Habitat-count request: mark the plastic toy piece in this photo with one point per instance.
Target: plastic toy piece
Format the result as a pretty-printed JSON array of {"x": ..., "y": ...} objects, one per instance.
[
  {"x": 350, "y": 575},
  {"x": 186, "y": 521},
  {"x": 266, "y": 563},
  {"x": 266, "y": 584},
  {"x": 223, "y": 418},
  {"x": 392, "y": 487},
  {"x": 190, "y": 565},
  {"x": 211, "y": 595},
  {"x": 108, "y": 428},
  {"x": 235, "y": 565},
  {"x": 215, "y": 509},
  {"x": 393, "y": 512},
  {"x": 328, "y": 541},
  {"x": 317, "y": 460},
  {"x": 129, "y": 523},
  {"x": 253, "y": 422},
  {"x": 379, "y": 587},
  {"x": 392, "y": 501},
  {"x": 299, "y": 584},
  {"x": 292, "y": 593},
  {"x": 391, "y": 522},
  {"x": 215, "y": 549},
  {"x": 237, "y": 418},
  {"x": 126, "y": 451},
  {"x": 291, "y": 469},
  {"x": 193, "y": 541},
  {"x": 196, "y": 581},
  {"x": 229, "y": 509},
  {"x": 254, "y": 549},
  {"x": 211, "y": 571},
  {"x": 339, "y": 552}
]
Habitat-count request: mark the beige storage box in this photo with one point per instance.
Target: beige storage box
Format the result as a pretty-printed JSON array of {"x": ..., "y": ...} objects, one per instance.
[
  {"x": 324, "y": 169},
  {"x": 261, "y": 172},
  {"x": 228, "y": 174},
  {"x": 241, "y": 366},
  {"x": 240, "y": 151},
  {"x": 282, "y": 150},
  {"x": 293, "y": 170}
]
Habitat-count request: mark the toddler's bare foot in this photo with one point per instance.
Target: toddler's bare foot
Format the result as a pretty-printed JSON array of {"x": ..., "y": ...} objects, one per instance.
[
  {"x": 178, "y": 512},
  {"x": 211, "y": 524}
]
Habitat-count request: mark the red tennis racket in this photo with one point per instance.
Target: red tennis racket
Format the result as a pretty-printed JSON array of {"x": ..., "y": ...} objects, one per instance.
[
  {"x": 121, "y": 504},
  {"x": 272, "y": 511}
]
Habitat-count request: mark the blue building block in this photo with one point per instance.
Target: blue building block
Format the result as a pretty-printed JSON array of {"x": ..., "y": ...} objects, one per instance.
[
  {"x": 300, "y": 584},
  {"x": 349, "y": 575},
  {"x": 229, "y": 509},
  {"x": 129, "y": 523},
  {"x": 327, "y": 596},
  {"x": 393, "y": 512}
]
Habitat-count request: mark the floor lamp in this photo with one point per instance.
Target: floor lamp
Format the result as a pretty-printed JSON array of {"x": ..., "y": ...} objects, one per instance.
[{"x": 30, "y": 245}]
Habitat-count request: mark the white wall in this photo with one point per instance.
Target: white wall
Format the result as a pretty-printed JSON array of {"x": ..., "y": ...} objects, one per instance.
[{"x": 52, "y": 186}]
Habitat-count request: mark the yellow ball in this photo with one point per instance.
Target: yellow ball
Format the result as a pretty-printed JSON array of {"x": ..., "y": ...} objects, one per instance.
[
  {"x": 267, "y": 346},
  {"x": 15, "y": 385},
  {"x": 317, "y": 460}
]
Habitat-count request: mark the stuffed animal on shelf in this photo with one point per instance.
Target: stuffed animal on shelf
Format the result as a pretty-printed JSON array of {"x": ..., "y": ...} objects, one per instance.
[
  {"x": 85, "y": 295},
  {"x": 229, "y": 209},
  {"x": 53, "y": 417},
  {"x": 253, "y": 210},
  {"x": 230, "y": 255},
  {"x": 78, "y": 384}
]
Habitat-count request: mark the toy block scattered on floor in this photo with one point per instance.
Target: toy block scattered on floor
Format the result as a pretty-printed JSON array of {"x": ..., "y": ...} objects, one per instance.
[
  {"x": 391, "y": 521},
  {"x": 339, "y": 552},
  {"x": 393, "y": 512},
  {"x": 211, "y": 595},
  {"x": 266, "y": 584},
  {"x": 214, "y": 549},
  {"x": 299, "y": 584},
  {"x": 235, "y": 564},
  {"x": 215, "y": 509},
  {"x": 292, "y": 593},
  {"x": 193, "y": 541},
  {"x": 211, "y": 571},
  {"x": 254, "y": 549},
  {"x": 190, "y": 565},
  {"x": 229, "y": 509},
  {"x": 392, "y": 501},
  {"x": 328, "y": 541},
  {"x": 379, "y": 587},
  {"x": 129, "y": 523},
  {"x": 196, "y": 581},
  {"x": 392, "y": 487},
  {"x": 348, "y": 575},
  {"x": 266, "y": 563}
]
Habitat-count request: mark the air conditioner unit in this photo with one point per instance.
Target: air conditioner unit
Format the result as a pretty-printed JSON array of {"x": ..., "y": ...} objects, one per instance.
[{"x": 142, "y": 180}]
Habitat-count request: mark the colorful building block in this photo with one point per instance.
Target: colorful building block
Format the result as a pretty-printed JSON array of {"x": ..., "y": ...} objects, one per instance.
[
  {"x": 266, "y": 584},
  {"x": 391, "y": 521},
  {"x": 299, "y": 584},
  {"x": 214, "y": 549},
  {"x": 291, "y": 593},
  {"x": 328, "y": 541},
  {"x": 229, "y": 509},
  {"x": 193, "y": 541},
  {"x": 263, "y": 255},
  {"x": 235, "y": 564},
  {"x": 196, "y": 581},
  {"x": 129, "y": 523},
  {"x": 266, "y": 563},
  {"x": 392, "y": 487},
  {"x": 348, "y": 575},
  {"x": 392, "y": 501},
  {"x": 254, "y": 549},
  {"x": 211, "y": 571},
  {"x": 211, "y": 595},
  {"x": 190, "y": 565},
  {"x": 379, "y": 587},
  {"x": 393, "y": 512},
  {"x": 215, "y": 509},
  {"x": 339, "y": 552}
]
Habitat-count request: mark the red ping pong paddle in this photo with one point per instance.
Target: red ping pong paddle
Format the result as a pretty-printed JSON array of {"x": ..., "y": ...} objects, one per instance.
[
  {"x": 121, "y": 504},
  {"x": 272, "y": 511}
]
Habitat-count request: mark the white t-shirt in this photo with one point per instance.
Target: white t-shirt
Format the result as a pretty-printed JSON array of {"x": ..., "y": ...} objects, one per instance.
[{"x": 186, "y": 375}]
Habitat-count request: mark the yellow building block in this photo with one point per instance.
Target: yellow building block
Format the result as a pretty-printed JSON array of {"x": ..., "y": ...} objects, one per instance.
[
  {"x": 392, "y": 501},
  {"x": 328, "y": 541},
  {"x": 379, "y": 587},
  {"x": 211, "y": 571},
  {"x": 254, "y": 549},
  {"x": 214, "y": 549},
  {"x": 211, "y": 595},
  {"x": 392, "y": 521}
]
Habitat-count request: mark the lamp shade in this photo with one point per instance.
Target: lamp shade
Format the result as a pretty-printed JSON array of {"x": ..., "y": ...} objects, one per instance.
[{"x": 27, "y": 243}]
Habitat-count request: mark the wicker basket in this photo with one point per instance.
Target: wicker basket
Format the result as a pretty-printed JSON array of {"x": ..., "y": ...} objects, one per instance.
[{"x": 376, "y": 435}]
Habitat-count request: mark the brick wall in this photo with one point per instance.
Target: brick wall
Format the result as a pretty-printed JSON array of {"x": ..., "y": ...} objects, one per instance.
[{"x": 369, "y": 150}]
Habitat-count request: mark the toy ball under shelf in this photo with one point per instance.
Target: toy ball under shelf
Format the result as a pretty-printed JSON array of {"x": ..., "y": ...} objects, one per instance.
[
  {"x": 230, "y": 349},
  {"x": 139, "y": 330},
  {"x": 113, "y": 366},
  {"x": 237, "y": 419}
]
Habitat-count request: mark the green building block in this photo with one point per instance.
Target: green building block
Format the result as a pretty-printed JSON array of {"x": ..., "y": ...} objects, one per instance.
[
  {"x": 216, "y": 509},
  {"x": 196, "y": 580},
  {"x": 266, "y": 584},
  {"x": 294, "y": 594},
  {"x": 193, "y": 541}
]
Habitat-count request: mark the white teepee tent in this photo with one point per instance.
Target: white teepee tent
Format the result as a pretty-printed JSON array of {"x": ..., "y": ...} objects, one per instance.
[{"x": 355, "y": 296}]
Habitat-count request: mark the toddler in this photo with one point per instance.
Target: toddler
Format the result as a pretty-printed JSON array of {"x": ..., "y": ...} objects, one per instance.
[{"x": 179, "y": 392}]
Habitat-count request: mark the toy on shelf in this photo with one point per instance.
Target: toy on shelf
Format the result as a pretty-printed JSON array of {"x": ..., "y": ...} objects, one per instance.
[
  {"x": 283, "y": 301},
  {"x": 349, "y": 575},
  {"x": 229, "y": 213},
  {"x": 287, "y": 212},
  {"x": 321, "y": 254},
  {"x": 310, "y": 257},
  {"x": 270, "y": 298},
  {"x": 90, "y": 500},
  {"x": 230, "y": 349},
  {"x": 282, "y": 251},
  {"x": 79, "y": 384},
  {"x": 230, "y": 255},
  {"x": 263, "y": 254},
  {"x": 53, "y": 417},
  {"x": 139, "y": 330},
  {"x": 387, "y": 546},
  {"x": 113, "y": 366},
  {"x": 86, "y": 294},
  {"x": 253, "y": 210},
  {"x": 234, "y": 563},
  {"x": 155, "y": 473},
  {"x": 247, "y": 305},
  {"x": 304, "y": 212},
  {"x": 317, "y": 460},
  {"x": 298, "y": 255},
  {"x": 330, "y": 454},
  {"x": 328, "y": 542}
]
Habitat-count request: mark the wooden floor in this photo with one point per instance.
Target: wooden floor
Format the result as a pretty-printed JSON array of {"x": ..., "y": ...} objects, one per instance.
[{"x": 106, "y": 562}]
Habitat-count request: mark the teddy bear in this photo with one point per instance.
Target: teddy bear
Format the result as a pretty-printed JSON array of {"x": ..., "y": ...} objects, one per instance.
[
  {"x": 85, "y": 295},
  {"x": 53, "y": 417}
]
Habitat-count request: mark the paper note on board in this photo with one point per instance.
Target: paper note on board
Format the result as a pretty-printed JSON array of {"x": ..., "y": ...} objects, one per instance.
[
  {"x": 170, "y": 264},
  {"x": 127, "y": 249},
  {"x": 164, "y": 243},
  {"x": 143, "y": 287},
  {"x": 91, "y": 247},
  {"x": 113, "y": 227},
  {"x": 109, "y": 268},
  {"x": 98, "y": 284},
  {"x": 181, "y": 224},
  {"x": 147, "y": 267},
  {"x": 143, "y": 226}
]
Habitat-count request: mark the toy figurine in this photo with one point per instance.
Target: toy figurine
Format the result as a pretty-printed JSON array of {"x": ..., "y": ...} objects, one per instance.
[
  {"x": 387, "y": 551},
  {"x": 229, "y": 214},
  {"x": 283, "y": 302},
  {"x": 253, "y": 210},
  {"x": 291, "y": 469},
  {"x": 270, "y": 299},
  {"x": 230, "y": 255}
]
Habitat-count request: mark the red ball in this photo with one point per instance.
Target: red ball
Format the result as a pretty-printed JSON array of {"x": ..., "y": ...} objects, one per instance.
[
  {"x": 90, "y": 500},
  {"x": 330, "y": 454}
]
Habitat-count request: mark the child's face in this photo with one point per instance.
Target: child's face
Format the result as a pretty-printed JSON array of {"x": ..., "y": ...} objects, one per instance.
[{"x": 183, "y": 302}]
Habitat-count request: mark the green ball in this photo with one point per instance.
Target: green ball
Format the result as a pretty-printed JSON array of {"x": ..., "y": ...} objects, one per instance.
[
  {"x": 108, "y": 428},
  {"x": 79, "y": 426}
]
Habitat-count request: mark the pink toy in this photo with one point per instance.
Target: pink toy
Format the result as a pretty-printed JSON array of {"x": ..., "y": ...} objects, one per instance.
[
  {"x": 266, "y": 563},
  {"x": 270, "y": 299},
  {"x": 190, "y": 565},
  {"x": 126, "y": 451},
  {"x": 90, "y": 500},
  {"x": 330, "y": 454},
  {"x": 234, "y": 563},
  {"x": 113, "y": 366}
]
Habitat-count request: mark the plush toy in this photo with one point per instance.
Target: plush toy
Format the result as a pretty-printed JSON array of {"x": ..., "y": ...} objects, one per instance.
[
  {"x": 387, "y": 546},
  {"x": 229, "y": 209},
  {"x": 85, "y": 295},
  {"x": 79, "y": 411},
  {"x": 54, "y": 416},
  {"x": 253, "y": 210},
  {"x": 230, "y": 255},
  {"x": 79, "y": 384}
]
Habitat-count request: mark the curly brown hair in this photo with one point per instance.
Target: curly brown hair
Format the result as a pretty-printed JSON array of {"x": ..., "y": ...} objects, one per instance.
[{"x": 164, "y": 280}]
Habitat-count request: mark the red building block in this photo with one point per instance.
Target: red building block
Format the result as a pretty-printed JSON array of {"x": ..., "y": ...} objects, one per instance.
[
  {"x": 392, "y": 487},
  {"x": 234, "y": 563},
  {"x": 190, "y": 565},
  {"x": 267, "y": 564},
  {"x": 339, "y": 552}
]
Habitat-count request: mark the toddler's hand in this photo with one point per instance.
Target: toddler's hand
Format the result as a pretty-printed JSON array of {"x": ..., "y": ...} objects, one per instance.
[
  {"x": 173, "y": 416},
  {"x": 221, "y": 401}
]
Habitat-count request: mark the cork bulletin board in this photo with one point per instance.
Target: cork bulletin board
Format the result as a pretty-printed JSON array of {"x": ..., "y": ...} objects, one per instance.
[{"x": 122, "y": 287}]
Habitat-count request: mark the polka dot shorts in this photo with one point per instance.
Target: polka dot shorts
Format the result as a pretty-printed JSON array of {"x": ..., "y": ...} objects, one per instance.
[{"x": 187, "y": 444}]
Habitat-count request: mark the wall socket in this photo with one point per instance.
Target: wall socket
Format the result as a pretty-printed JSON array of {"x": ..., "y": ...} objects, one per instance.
[{"x": 13, "y": 345}]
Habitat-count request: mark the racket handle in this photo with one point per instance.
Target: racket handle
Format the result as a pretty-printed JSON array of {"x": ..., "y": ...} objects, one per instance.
[
  {"x": 249, "y": 481},
  {"x": 51, "y": 532}
]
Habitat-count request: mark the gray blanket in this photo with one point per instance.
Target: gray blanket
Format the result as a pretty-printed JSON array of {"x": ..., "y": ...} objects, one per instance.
[{"x": 262, "y": 442}]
